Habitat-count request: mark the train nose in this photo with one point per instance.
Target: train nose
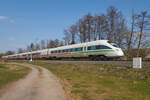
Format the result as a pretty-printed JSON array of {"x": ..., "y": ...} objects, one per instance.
[{"x": 120, "y": 53}]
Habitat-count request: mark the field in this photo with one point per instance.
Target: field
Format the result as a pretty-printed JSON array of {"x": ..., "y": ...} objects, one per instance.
[
  {"x": 10, "y": 73},
  {"x": 101, "y": 82}
]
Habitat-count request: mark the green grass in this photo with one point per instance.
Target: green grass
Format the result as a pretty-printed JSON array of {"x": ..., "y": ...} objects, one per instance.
[
  {"x": 94, "y": 82},
  {"x": 10, "y": 73}
]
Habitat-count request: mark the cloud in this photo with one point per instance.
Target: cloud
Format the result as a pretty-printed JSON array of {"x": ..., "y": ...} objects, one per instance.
[
  {"x": 11, "y": 39},
  {"x": 12, "y": 21},
  {"x": 3, "y": 17},
  {"x": 7, "y": 18}
]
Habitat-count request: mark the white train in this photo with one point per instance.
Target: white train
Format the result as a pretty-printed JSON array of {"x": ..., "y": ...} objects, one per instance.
[{"x": 95, "y": 50}]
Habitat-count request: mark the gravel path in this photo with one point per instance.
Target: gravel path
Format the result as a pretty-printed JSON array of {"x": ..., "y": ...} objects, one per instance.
[{"x": 39, "y": 84}]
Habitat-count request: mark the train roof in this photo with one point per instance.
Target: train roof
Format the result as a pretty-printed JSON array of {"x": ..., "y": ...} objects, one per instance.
[{"x": 79, "y": 45}]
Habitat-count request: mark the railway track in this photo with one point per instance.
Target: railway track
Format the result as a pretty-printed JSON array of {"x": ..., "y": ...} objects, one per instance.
[{"x": 114, "y": 63}]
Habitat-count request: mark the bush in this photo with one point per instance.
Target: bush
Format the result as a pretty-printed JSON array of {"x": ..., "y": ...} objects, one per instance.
[{"x": 134, "y": 53}]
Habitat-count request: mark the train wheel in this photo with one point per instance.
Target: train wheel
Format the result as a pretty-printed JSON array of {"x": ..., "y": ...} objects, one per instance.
[{"x": 103, "y": 58}]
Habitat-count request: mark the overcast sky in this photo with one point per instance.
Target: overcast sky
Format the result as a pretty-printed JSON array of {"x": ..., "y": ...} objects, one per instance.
[{"x": 26, "y": 21}]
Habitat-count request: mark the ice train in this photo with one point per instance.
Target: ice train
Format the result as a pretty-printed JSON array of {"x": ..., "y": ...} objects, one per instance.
[{"x": 95, "y": 50}]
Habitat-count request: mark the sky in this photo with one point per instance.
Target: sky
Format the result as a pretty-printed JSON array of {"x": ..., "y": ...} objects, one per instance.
[{"x": 26, "y": 21}]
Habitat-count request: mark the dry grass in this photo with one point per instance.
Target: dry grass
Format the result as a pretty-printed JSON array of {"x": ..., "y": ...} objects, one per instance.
[
  {"x": 102, "y": 82},
  {"x": 10, "y": 73},
  {"x": 2, "y": 61}
]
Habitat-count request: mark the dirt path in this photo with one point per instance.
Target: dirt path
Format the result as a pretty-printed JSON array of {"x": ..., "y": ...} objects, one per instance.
[{"x": 40, "y": 84}]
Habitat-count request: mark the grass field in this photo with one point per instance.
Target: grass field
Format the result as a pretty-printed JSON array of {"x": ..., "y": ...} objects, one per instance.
[
  {"x": 11, "y": 72},
  {"x": 101, "y": 82}
]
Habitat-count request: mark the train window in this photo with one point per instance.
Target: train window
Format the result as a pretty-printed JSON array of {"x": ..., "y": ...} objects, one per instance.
[
  {"x": 104, "y": 47},
  {"x": 73, "y": 50},
  {"x": 58, "y": 51},
  {"x": 55, "y": 51},
  {"x": 67, "y": 50},
  {"x": 113, "y": 44},
  {"x": 63, "y": 51},
  {"x": 98, "y": 47},
  {"x": 91, "y": 47},
  {"x": 78, "y": 49}
]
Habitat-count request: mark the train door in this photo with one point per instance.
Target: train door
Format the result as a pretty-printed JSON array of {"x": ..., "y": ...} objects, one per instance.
[
  {"x": 47, "y": 52},
  {"x": 84, "y": 50}
]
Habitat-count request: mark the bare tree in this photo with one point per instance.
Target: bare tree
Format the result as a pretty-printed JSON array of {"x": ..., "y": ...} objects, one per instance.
[
  {"x": 117, "y": 28},
  {"x": 61, "y": 43},
  {"x": 67, "y": 37},
  {"x": 112, "y": 17},
  {"x": 121, "y": 30},
  {"x": 37, "y": 46},
  {"x": 73, "y": 32},
  {"x": 94, "y": 29},
  {"x": 89, "y": 21},
  {"x": 132, "y": 30},
  {"x": 53, "y": 43},
  {"x": 43, "y": 46},
  {"x": 143, "y": 23},
  {"x": 28, "y": 49},
  {"x": 9, "y": 52},
  {"x": 102, "y": 26},
  {"x": 56, "y": 43},
  {"x": 32, "y": 46},
  {"x": 82, "y": 30},
  {"x": 20, "y": 50},
  {"x": 1, "y": 55}
]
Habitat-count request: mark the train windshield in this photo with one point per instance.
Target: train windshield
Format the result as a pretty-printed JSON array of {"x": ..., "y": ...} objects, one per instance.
[{"x": 113, "y": 44}]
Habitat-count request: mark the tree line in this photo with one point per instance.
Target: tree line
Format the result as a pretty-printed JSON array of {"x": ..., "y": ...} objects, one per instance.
[
  {"x": 130, "y": 34},
  {"x": 112, "y": 26}
]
